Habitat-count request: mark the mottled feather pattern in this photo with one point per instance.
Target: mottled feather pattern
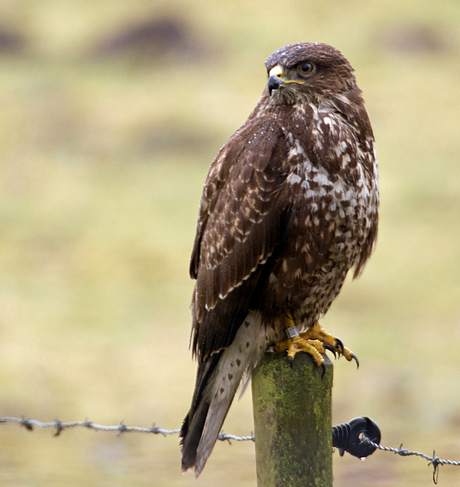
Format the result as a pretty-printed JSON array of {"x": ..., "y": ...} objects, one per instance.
[
  {"x": 289, "y": 206},
  {"x": 239, "y": 229}
]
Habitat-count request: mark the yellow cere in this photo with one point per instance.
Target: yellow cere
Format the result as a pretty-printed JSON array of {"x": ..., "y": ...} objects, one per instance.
[{"x": 276, "y": 71}]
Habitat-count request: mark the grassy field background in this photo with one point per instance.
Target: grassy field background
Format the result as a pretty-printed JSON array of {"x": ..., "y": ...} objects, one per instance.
[{"x": 111, "y": 113}]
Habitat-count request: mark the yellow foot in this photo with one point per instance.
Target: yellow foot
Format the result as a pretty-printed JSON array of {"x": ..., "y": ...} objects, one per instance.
[
  {"x": 334, "y": 344},
  {"x": 315, "y": 341},
  {"x": 298, "y": 344}
]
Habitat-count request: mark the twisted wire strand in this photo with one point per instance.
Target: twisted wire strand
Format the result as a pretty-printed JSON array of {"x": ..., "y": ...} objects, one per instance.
[
  {"x": 434, "y": 460},
  {"x": 120, "y": 428}
]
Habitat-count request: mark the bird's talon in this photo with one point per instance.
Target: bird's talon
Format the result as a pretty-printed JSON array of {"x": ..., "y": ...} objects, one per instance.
[
  {"x": 331, "y": 349},
  {"x": 339, "y": 345},
  {"x": 323, "y": 367},
  {"x": 355, "y": 358}
]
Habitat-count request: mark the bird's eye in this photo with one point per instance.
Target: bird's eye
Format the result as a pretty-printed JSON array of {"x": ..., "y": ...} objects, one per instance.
[{"x": 305, "y": 68}]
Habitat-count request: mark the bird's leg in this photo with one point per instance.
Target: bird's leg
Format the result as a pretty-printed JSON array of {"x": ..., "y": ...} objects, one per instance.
[{"x": 315, "y": 341}]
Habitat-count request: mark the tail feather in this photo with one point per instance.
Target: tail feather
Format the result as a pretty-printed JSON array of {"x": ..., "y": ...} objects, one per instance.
[
  {"x": 215, "y": 419},
  {"x": 204, "y": 421},
  {"x": 193, "y": 424},
  {"x": 191, "y": 435},
  {"x": 218, "y": 379}
]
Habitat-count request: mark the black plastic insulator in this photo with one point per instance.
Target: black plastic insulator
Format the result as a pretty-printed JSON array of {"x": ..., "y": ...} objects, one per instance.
[{"x": 347, "y": 437}]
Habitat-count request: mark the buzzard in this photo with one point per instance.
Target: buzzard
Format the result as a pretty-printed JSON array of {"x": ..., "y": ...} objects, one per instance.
[{"x": 289, "y": 206}]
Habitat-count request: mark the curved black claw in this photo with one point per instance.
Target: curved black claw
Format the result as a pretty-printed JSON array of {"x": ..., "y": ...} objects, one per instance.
[
  {"x": 355, "y": 358},
  {"x": 323, "y": 369},
  {"x": 328, "y": 347},
  {"x": 339, "y": 344},
  {"x": 291, "y": 361}
]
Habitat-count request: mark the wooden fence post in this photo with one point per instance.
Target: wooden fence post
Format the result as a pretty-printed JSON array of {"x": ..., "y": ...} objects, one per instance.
[{"x": 292, "y": 421}]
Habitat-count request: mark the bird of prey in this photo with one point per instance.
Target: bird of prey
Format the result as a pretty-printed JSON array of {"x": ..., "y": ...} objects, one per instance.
[{"x": 289, "y": 206}]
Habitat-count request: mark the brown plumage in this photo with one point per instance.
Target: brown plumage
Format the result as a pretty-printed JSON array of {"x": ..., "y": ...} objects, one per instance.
[{"x": 290, "y": 204}]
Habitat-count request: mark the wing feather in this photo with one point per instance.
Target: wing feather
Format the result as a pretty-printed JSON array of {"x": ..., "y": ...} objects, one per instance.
[{"x": 238, "y": 228}]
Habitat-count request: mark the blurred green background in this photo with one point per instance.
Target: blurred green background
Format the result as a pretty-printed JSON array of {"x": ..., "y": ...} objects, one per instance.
[{"x": 111, "y": 113}]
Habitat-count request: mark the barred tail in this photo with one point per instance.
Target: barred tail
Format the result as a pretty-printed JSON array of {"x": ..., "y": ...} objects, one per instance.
[{"x": 218, "y": 379}]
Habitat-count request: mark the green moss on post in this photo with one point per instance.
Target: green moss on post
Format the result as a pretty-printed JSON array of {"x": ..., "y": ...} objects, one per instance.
[{"x": 292, "y": 421}]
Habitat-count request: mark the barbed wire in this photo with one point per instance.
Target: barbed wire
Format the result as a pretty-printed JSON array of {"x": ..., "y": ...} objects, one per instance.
[
  {"x": 434, "y": 460},
  {"x": 121, "y": 428}
]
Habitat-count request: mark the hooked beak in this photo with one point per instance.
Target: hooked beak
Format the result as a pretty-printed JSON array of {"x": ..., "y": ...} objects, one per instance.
[
  {"x": 274, "y": 83},
  {"x": 276, "y": 79}
]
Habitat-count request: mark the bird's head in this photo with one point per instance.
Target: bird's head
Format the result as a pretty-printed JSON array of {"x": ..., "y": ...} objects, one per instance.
[{"x": 307, "y": 72}]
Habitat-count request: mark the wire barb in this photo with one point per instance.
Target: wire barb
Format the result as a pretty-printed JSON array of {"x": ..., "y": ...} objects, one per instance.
[
  {"x": 58, "y": 426},
  {"x": 433, "y": 461}
]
